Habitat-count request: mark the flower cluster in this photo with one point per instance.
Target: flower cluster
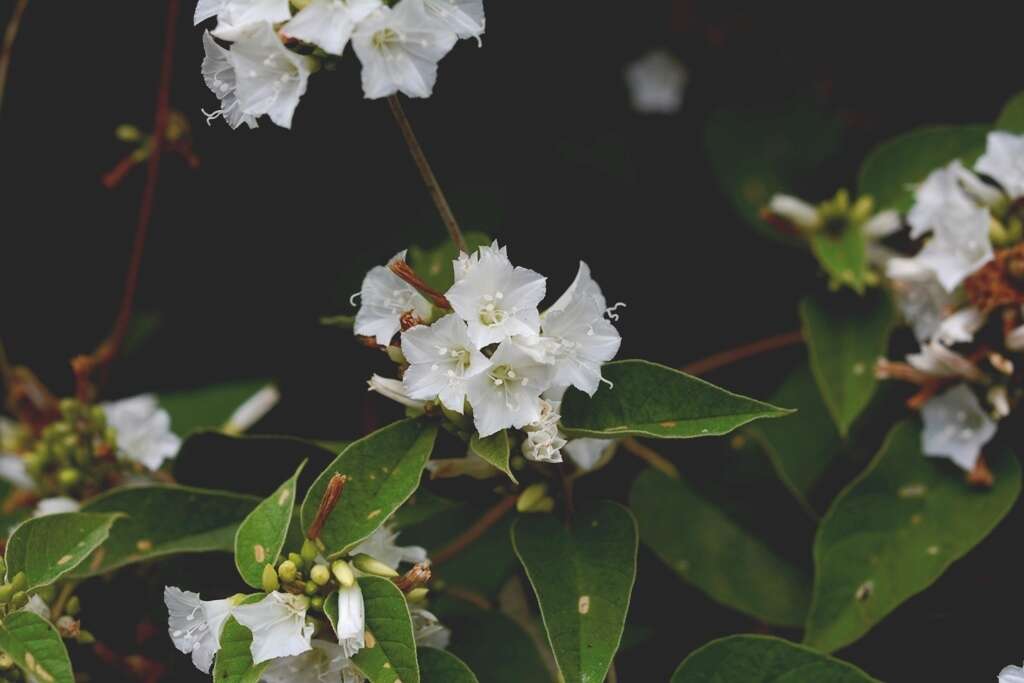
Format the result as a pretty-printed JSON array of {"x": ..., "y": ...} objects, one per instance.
[
  {"x": 273, "y": 51},
  {"x": 484, "y": 349},
  {"x": 289, "y": 623}
]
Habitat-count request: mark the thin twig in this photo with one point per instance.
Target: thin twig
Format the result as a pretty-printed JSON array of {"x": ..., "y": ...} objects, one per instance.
[
  {"x": 65, "y": 594},
  {"x": 8, "y": 47},
  {"x": 725, "y": 358},
  {"x": 650, "y": 456},
  {"x": 436, "y": 193},
  {"x": 479, "y": 528}
]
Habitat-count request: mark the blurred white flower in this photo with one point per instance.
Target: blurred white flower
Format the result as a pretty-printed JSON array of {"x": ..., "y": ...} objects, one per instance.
[
  {"x": 508, "y": 393},
  {"x": 234, "y": 17},
  {"x": 270, "y": 78},
  {"x": 657, "y": 82},
  {"x": 351, "y": 626},
  {"x": 143, "y": 430},
  {"x": 13, "y": 471},
  {"x": 956, "y": 427},
  {"x": 922, "y": 300},
  {"x": 543, "y": 441},
  {"x": 381, "y": 546},
  {"x": 329, "y": 24},
  {"x": 427, "y": 630},
  {"x": 441, "y": 358},
  {"x": 219, "y": 74},
  {"x": 324, "y": 663},
  {"x": 940, "y": 193},
  {"x": 195, "y": 625},
  {"x": 960, "y": 327},
  {"x": 56, "y": 506},
  {"x": 938, "y": 361},
  {"x": 464, "y": 17},
  {"x": 796, "y": 211},
  {"x": 36, "y": 605},
  {"x": 586, "y": 453},
  {"x": 384, "y": 299},
  {"x": 1003, "y": 161},
  {"x": 278, "y": 625},
  {"x": 1011, "y": 674}
]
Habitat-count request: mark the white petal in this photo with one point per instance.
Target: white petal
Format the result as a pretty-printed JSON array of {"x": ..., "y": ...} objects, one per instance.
[
  {"x": 956, "y": 427},
  {"x": 464, "y": 17},
  {"x": 324, "y": 663},
  {"x": 382, "y": 547},
  {"x": 384, "y": 298},
  {"x": 883, "y": 224},
  {"x": 351, "y": 626},
  {"x": 940, "y": 194},
  {"x": 427, "y": 630},
  {"x": 219, "y": 74},
  {"x": 278, "y": 625},
  {"x": 253, "y": 410},
  {"x": 195, "y": 625},
  {"x": 582, "y": 283},
  {"x": 960, "y": 327},
  {"x": 1003, "y": 161},
  {"x": 796, "y": 211},
  {"x": 588, "y": 452},
  {"x": 328, "y": 24},
  {"x": 271, "y": 78},
  {"x": 56, "y": 506},
  {"x": 960, "y": 245},
  {"x": 207, "y": 9},
  {"x": 143, "y": 430},
  {"x": 395, "y": 390},
  {"x": 1011, "y": 674},
  {"x": 36, "y": 605}
]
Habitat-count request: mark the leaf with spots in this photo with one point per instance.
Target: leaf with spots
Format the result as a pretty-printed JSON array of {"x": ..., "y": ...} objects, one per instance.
[
  {"x": 36, "y": 647},
  {"x": 165, "y": 520},
  {"x": 438, "y": 666},
  {"x": 390, "y": 652},
  {"x": 583, "y": 578},
  {"x": 383, "y": 470},
  {"x": 47, "y": 548},
  {"x": 262, "y": 534},
  {"x": 495, "y": 450},
  {"x": 234, "y": 659},
  {"x": 895, "y": 530},
  {"x": 647, "y": 399},
  {"x": 846, "y": 335},
  {"x": 209, "y": 407},
  {"x": 764, "y": 659}
]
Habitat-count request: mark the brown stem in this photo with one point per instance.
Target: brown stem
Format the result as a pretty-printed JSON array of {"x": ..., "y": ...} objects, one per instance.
[
  {"x": 436, "y": 193},
  {"x": 10, "y": 33},
  {"x": 725, "y": 358},
  {"x": 650, "y": 456},
  {"x": 65, "y": 594},
  {"x": 473, "y": 533}
]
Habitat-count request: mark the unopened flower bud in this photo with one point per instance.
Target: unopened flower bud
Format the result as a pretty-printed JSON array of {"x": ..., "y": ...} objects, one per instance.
[
  {"x": 98, "y": 416},
  {"x": 320, "y": 574},
  {"x": 3, "y": 566},
  {"x": 317, "y": 602},
  {"x": 417, "y": 594},
  {"x": 396, "y": 355},
  {"x": 20, "y": 581},
  {"x": 369, "y": 565},
  {"x": 287, "y": 571},
  {"x": 545, "y": 504},
  {"x": 6, "y": 591},
  {"x": 798, "y": 212},
  {"x": 862, "y": 209},
  {"x": 85, "y": 638},
  {"x": 69, "y": 477},
  {"x": 296, "y": 559},
  {"x": 270, "y": 582},
  {"x": 309, "y": 551},
  {"x": 73, "y": 606},
  {"x": 311, "y": 588},
  {"x": 343, "y": 573},
  {"x": 19, "y": 600},
  {"x": 69, "y": 408},
  {"x": 530, "y": 497},
  {"x": 127, "y": 133}
]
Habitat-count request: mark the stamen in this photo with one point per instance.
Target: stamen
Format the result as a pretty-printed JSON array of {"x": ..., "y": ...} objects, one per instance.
[{"x": 610, "y": 312}]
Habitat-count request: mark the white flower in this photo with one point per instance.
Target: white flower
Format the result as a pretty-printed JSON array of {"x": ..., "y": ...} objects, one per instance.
[
  {"x": 1011, "y": 674},
  {"x": 13, "y": 470},
  {"x": 195, "y": 624},
  {"x": 234, "y": 17},
  {"x": 464, "y": 17},
  {"x": 466, "y": 262},
  {"x": 940, "y": 193},
  {"x": 656, "y": 82},
  {"x": 956, "y": 427},
  {"x": 36, "y": 605},
  {"x": 960, "y": 327},
  {"x": 498, "y": 300},
  {"x": 270, "y": 77},
  {"x": 219, "y": 74},
  {"x": 427, "y": 630},
  {"x": 579, "y": 339},
  {"x": 381, "y": 546},
  {"x": 56, "y": 506},
  {"x": 253, "y": 410},
  {"x": 588, "y": 452},
  {"x": 329, "y": 24},
  {"x": 543, "y": 442},
  {"x": 1003, "y": 161},
  {"x": 385, "y": 299},
  {"x": 351, "y": 626},
  {"x": 508, "y": 393},
  {"x": 278, "y": 625},
  {"x": 143, "y": 430},
  {"x": 395, "y": 390},
  {"x": 938, "y": 361},
  {"x": 324, "y": 663},
  {"x": 921, "y": 299},
  {"x": 399, "y": 49},
  {"x": 441, "y": 358}
]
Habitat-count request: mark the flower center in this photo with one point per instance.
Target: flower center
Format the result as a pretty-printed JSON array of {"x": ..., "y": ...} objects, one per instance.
[
  {"x": 504, "y": 375},
  {"x": 381, "y": 39},
  {"x": 491, "y": 312}
]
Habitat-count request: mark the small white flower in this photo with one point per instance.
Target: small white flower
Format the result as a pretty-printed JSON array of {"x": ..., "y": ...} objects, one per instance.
[
  {"x": 12, "y": 470},
  {"x": 219, "y": 74},
  {"x": 508, "y": 393},
  {"x": 543, "y": 442},
  {"x": 588, "y": 452},
  {"x": 956, "y": 427},
  {"x": 464, "y": 17},
  {"x": 56, "y": 506},
  {"x": 960, "y": 327},
  {"x": 1011, "y": 674},
  {"x": 324, "y": 663},
  {"x": 498, "y": 300},
  {"x": 399, "y": 49},
  {"x": 143, "y": 430},
  {"x": 270, "y": 78},
  {"x": 427, "y": 630},
  {"x": 381, "y": 546},
  {"x": 351, "y": 626},
  {"x": 657, "y": 82},
  {"x": 253, "y": 410},
  {"x": 395, "y": 390},
  {"x": 329, "y": 24},
  {"x": 278, "y": 625},
  {"x": 922, "y": 300},
  {"x": 385, "y": 298},
  {"x": 195, "y": 625},
  {"x": 441, "y": 358},
  {"x": 1003, "y": 161},
  {"x": 234, "y": 17},
  {"x": 36, "y": 605}
]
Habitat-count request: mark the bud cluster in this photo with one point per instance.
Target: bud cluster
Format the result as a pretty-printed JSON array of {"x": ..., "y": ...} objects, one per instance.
[{"x": 76, "y": 455}]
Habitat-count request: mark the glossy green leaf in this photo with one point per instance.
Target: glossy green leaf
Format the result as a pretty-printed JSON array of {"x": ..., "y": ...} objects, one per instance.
[
  {"x": 435, "y": 265},
  {"x": 707, "y": 548},
  {"x": 764, "y": 659},
  {"x": 846, "y": 336},
  {"x": 1012, "y": 116},
  {"x": 438, "y": 666},
  {"x": 891, "y": 170},
  {"x": 383, "y": 470},
  {"x": 423, "y": 505},
  {"x": 488, "y": 641},
  {"x": 495, "y": 450},
  {"x": 894, "y": 530},
  {"x": 843, "y": 256},
  {"x": 583, "y": 578},
  {"x": 262, "y": 534},
  {"x": 390, "y": 652},
  {"x": 47, "y": 548},
  {"x": 647, "y": 399},
  {"x": 164, "y": 520},
  {"x": 36, "y": 647},
  {"x": 209, "y": 407},
  {"x": 234, "y": 659}
]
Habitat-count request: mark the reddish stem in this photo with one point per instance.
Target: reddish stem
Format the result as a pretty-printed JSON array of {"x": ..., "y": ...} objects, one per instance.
[
  {"x": 725, "y": 358},
  {"x": 10, "y": 33},
  {"x": 479, "y": 528}
]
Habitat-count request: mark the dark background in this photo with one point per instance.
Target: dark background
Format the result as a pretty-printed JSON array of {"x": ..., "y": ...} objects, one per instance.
[{"x": 533, "y": 138}]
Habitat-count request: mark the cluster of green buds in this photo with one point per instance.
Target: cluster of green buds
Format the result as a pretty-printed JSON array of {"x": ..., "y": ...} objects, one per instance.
[
  {"x": 75, "y": 454},
  {"x": 14, "y": 596}
]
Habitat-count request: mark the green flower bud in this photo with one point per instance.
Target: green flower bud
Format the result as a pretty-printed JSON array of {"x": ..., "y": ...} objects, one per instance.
[
  {"x": 270, "y": 582},
  {"x": 3, "y": 567},
  {"x": 311, "y": 588},
  {"x": 309, "y": 551},
  {"x": 545, "y": 504},
  {"x": 69, "y": 408},
  {"x": 287, "y": 571},
  {"x": 317, "y": 602},
  {"x": 6, "y": 591},
  {"x": 127, "y": 133},
  {"x": 530, "y": 497},
  {"x": 369, "y": 565},
  {"x": 19, "y": 600},
  {"x": 343, "y": 573},
  {"x": 69, "y": 477},
  {"x": 417, "y": 594},
  {"x": 296, "y": 559},
  {"x": 320, "y": 574},
  {"x": 862, "y": 209},
  {"x": 396, "y": 355},
  {"x": 110, "y": 435},
  {"x": 98, "y": 417},
  {"x": 73, "y": 606},
  {"x": 85, "y": 638},
  {"x": 20, "y": 581}
]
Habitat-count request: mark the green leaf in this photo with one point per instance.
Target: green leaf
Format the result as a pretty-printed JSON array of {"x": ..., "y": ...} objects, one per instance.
[
  {"x": 705, "y": 547},
  {"x": 47, "y": 548},
  {"x": 647, "y": 399},
  {"x": 1012, "y": 116},
  {"x": 891, "y": 170},
  {"x": 383, "y": 470},
  {"x": 495, "y": 450},
  {"x": 764, "y": 659},
  {"x": 435, "y": 265},
  {"x": 392, "y": 655},
  {"x": 583, "y": 577},
  {"x": 262, "y": 534},
  {"x": 208, "y": 408},
  {"x": 36, "y": 647},
  {"x": 487, "y": 641},
  {"x": 423, "y": 505},
  {"x": 894, "y": 530},
  {"x": 234, "y": 659},
  {"x": 438, "y": 666},
  {"x": 801, "y": 447},
  {"x": 843, "y": 256},
  {"x": 846, "y": 335},
  {"x": 164, "y": 520}
]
